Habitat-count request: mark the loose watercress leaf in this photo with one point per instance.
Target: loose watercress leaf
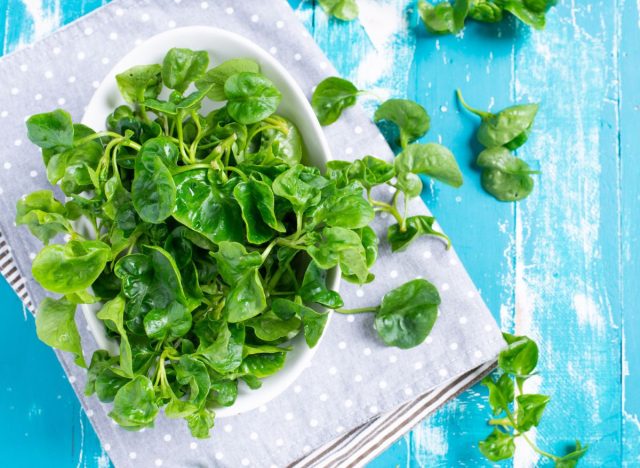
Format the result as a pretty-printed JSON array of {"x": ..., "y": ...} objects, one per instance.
[
  {"x": 431, "y": 159},
  {"x": 346, "y": 10},
  {"x": 505, "y": 176},
  {"x": 407, "y": 314},
  {"x": 181, "y": 67},
  {"x": 200, "y": 423},
  {"x": 56, "y": 326},
  {"x": 438, "y": 19},
  {"x": 214, "y": 79},
  {"x": 331, "y": 97},
  {"x": 65, "y": 269},
  {"x": 251, "y": 97},
  {"x": 571, "y": 459},
  {"x": 410, "y": 117},
  {"x": 485, "y": 11},
  {"x": 501, "y": 393}
]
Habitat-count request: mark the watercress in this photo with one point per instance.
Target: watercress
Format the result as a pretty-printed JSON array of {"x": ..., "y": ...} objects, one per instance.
[
  {"x": 449, "y": 18},
  {"x": 504, "y": 176},
  {"x": 207, "y": 241},
  {"x": 514, "y": 411}
]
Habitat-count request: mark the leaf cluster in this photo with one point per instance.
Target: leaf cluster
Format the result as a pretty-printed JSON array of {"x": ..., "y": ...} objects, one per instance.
[
  {"x": 505, "y": 176},
  {"x": 515, "y": 413},
  {"x": 449, "y": 18},
  {"x": 210, "y": 240}
]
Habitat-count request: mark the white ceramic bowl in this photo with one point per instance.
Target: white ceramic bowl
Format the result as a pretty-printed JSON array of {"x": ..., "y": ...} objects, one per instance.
[{"x": 222, "y": 45}]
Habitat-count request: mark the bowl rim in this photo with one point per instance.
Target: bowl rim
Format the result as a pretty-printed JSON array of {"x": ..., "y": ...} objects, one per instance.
[{"x": 161, "y": 43}]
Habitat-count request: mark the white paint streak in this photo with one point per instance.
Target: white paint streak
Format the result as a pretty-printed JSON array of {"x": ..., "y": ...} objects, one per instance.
[
  {"x": 385, "y": 23},
  {"x": 428, "y": 442},
  {"x": 588, "y": 312},
  {"x": 81, "y": 454},
  {"x": 45, "y": 20}
]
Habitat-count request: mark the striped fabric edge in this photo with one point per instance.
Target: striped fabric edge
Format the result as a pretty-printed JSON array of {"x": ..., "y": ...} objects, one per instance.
[
  {"x": 365, "y": 442},
  {"x": 11, "y": 273}
]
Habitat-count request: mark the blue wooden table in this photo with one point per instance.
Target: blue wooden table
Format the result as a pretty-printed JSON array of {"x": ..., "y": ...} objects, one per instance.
[{"x": 562, "y": 266}]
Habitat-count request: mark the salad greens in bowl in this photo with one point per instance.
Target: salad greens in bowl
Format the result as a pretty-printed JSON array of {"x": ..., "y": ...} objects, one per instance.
[{"x": 193, "y": 225}]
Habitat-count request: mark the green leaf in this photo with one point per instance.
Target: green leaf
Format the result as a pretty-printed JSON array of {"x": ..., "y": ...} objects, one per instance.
[
  {"x": 313, "y": 322},
  {"x": 263, "y": 365},
  {"x": 153, "y": 190},
  {"x": 269, "y": 327},
  {"x": 170, "y": 322},
  {"x": 134, "y": 405},
  {"x": 505, "y": 176},
  {"x": 345, "y": 209},
  {"x": 517, "y": 8},
  {"x": 224, "y": 355},
  {"x": 43, "y": 215},
  {"x": 72, "y": 267},
  {"x": 520, "y": 357},
  {"x": 200, "y": 423},
  {"x": 407, "y": 314},
  {"x": 410, "y": 117},
  {"x": 224, "y": 393},
  {"x": 415, "y": 226},
  {"x": 331, "y": 97},
  {"x": 113, "y": 312},
  {"x": 234, "y": 262},
  {"x": 181, "y": 67},
  {"x": 431, "y": 159},
  {"x": 314, "y": 288},
  {"x": 140, "y": 83},
  {"x": 51, "y": 130},
  {"x": 530, "y": 409},
  {"x": 485, "y": 11},
  {"x": 251, "y": 97},
  {"x": 56, "y": 326},
  {"x": 501, "y": 393},
  {"x": 571, "y": 459},
  {"x": 214, "y": 79},
  {"x": 498, "y": 446},
  {"x": 207, "y": 208},
  {"x": 438, "y": 19},
  {"x": 343, "y": 247},
  {"x": 345, "y": 10},
  {"x": 256, "y": 201},
  {"x": 101, "y": 360},
  {"x": 295, "y": 186},
  {"x": 190, "y": 371},
  {"x": 246, "y": 298}
]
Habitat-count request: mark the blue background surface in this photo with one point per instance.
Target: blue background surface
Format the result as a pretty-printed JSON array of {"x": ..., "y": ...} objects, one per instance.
[{"x": 561, "y": 266}]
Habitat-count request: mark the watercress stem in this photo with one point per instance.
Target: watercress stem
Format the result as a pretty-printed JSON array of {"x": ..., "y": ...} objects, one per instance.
[
  {"x": 361, "y": 310},
  {"x": 479, "y": 113}
]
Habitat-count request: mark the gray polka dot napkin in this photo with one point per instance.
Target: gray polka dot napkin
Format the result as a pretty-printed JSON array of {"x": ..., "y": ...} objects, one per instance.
[{"x": 357, "y": 395}]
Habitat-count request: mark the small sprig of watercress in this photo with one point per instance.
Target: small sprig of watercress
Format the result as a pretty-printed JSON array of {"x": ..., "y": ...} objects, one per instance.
[
  {"x": 504, "y": 176},
  {"x": 517, "y": 412},
  {"x": 208, "y": 241},
  {"x": 449, "y": 18}
]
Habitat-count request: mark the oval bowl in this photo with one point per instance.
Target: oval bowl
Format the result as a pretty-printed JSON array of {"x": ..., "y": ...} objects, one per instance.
[{"x": 222, "y": 45}]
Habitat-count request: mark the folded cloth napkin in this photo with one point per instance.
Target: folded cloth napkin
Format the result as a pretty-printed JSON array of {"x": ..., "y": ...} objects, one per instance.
[{"x": 357, "y": 396}]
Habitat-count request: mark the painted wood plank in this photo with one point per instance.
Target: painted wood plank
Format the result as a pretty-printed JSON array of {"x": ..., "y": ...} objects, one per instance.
[
  {"x": 567, "y": 238},
  {"x": 628, "y": 54}
]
